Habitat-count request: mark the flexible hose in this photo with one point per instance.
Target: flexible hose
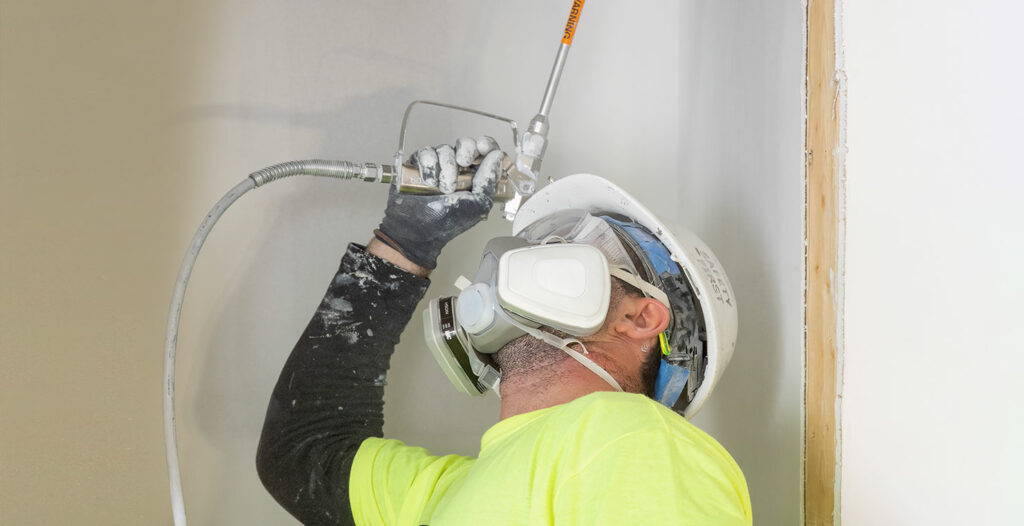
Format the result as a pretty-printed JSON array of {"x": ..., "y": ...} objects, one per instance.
[
  {"x": 315, "y": 167},
  {"x": 171, "y": 343}
]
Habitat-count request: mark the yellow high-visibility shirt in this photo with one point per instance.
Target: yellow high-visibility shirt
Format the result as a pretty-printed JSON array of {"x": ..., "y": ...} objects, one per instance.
[{"x": 605, "y": 458}]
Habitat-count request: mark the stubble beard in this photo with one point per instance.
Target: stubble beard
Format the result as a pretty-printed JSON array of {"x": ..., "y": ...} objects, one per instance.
[{"x": 528, "y": 357}]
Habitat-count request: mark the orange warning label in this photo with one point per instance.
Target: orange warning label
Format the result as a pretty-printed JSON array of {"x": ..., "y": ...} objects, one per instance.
[{"x": 574, "y": 18}]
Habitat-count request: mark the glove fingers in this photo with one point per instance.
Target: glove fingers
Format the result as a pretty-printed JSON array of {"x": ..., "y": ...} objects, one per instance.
[
  {"x": 486, "y": 178},
  {"x": 465, "y": 151},
  {"x": 430, "y": 169},
  {"x": 486, "y": 145},
  {"x": 449, "y": 169}
]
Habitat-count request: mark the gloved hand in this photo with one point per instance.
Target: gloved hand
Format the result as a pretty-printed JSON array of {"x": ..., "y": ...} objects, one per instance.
[{"x": 419, "y": 226}]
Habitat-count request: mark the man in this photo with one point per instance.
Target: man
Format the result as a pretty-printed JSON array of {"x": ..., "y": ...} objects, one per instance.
[{"x": 569, "y": 449}]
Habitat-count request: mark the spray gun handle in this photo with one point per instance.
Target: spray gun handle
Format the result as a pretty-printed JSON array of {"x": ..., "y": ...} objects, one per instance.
[{"x": 410, "y": 182}]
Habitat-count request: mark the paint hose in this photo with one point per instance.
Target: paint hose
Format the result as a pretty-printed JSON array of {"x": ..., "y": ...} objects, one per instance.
[{"x": 315, "y": 167}]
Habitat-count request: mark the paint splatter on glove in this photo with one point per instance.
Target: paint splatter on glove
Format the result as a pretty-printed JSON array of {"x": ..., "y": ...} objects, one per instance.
[{"x": 419, "y": 226}]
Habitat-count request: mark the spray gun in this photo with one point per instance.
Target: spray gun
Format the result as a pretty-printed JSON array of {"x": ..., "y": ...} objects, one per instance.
[
  {"x": 518, "y": 181},
  {"x": 512, "y": 184}
]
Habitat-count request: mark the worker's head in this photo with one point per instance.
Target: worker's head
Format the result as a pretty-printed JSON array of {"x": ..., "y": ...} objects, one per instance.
[{"x": 593, "y": 277}]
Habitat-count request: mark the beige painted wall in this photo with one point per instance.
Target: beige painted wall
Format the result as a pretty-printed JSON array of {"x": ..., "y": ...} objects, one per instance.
[
  {"x": 122, "y": 123},
  {"x": 92, "y": 165}
]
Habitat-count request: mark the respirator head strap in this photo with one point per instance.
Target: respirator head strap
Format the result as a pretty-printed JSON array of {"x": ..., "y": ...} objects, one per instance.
[{"x": 650, "y": 290}]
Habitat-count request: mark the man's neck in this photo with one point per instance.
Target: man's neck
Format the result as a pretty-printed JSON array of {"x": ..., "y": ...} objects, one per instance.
[{"x": 520, "y": 396}]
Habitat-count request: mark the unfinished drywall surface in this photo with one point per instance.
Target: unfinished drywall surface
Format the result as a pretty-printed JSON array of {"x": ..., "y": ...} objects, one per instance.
[
  {"x": 697, "y": 111},
  {"x": 931, "y": 429},
  {"x": 740, "y": 187}
]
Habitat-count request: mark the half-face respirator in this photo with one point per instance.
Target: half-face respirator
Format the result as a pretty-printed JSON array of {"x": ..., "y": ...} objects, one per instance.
[
  {"x": 518, "y": 289},
  {"x": 556, "y": 273}
]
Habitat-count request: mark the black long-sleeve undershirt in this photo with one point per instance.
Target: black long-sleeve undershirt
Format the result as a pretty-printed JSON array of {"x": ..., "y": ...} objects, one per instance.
[{"x": 329, "y": 397}]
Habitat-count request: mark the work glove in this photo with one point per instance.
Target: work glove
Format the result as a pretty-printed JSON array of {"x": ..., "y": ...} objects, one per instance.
[{"x": 419, "y": 226}]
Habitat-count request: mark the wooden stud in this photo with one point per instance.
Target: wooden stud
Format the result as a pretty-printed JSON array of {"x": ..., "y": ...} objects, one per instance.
[{"x": 822, "y": 315}]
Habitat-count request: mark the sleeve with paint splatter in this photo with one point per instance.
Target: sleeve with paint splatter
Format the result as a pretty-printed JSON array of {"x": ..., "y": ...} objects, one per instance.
[{"x": 329, "y": 397}]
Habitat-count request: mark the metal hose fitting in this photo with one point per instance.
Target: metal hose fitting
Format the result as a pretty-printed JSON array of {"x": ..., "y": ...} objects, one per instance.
[{"x": 369, "y": 172}]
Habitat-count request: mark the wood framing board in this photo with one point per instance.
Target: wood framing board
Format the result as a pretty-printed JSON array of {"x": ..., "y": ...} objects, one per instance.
[{"x": 823, "y": 267}]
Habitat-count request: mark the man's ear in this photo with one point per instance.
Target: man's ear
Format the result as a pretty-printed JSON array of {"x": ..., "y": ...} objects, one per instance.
[{"x": 642, "y": 318}]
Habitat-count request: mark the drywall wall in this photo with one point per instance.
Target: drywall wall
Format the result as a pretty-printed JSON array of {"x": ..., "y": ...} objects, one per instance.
[
  {"x": 740, "y": 186},
  {"x": 697, "y": 110},
  {"x": 695, "y": 107},
  {"x": 931, "y": 428}
]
